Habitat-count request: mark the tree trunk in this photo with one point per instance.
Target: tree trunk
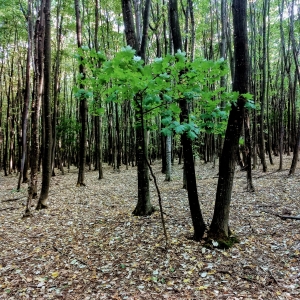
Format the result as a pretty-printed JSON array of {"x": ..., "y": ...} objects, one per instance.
[
  {"x": 144, "y": 206},
  {"x": 263, "y": 88},
  {"x": 56, "y": 87},
  {"x": 26, "y": 96},
  {"x": 46, "y": 163},
  {"x": 197, "y": 219},
  {"x": 35, "y": 110},
  {"x": 219, "y": 228},
  {"x": 82, "y": 104},
  {"x": 168, "y": 157}
]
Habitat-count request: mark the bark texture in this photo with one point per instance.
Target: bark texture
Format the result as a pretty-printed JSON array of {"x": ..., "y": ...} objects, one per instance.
[
  {"x": 219, "y": 228},
  {"x": 46, "y": 163}
]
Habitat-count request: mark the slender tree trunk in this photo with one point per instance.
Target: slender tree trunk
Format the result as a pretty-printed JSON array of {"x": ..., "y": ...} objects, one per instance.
[
  {"x": 248, "y": 151},
  {"x": 197, "y": 219},
  {"x": 168, "y": 157},
  {"x": 82, "y": 104},
  {"x": 295, "y": 152},
  {"x": 26, "y": 95},
  {"x": 144, "y": 206},
  {"x": 219, "y": 228},
  {"x": 35, "y": 109},
  {"x": 56, "y": 86},
  {"x": 46, "y": 163},
  {"x": 263, "y": 88}
]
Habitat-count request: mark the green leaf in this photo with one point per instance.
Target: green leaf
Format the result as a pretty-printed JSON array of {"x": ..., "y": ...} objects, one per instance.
[
  {"x": 166, "y": 131},
  {"x": 174, "y": 108},
  {"x": 167, "y": 98},
  {"x": 191, "y": 135},
  {"x": 166, "y": 120},
  {"x": 179, "y": 129}
]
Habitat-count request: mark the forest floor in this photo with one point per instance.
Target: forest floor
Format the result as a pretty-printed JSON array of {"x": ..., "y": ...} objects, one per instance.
[{"x": 87, "y": 244}]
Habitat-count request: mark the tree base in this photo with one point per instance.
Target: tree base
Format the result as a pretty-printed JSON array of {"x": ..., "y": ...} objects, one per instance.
[
  {"x": 220, "y": 242},
  {"x": 27, "y": 214},
  {"x": 144, "y": 211},
  {"x": 41, "y": 206}
]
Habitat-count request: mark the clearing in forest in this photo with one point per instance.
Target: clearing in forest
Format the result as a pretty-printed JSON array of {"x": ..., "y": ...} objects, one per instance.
[{"x": 87, "y": 245}]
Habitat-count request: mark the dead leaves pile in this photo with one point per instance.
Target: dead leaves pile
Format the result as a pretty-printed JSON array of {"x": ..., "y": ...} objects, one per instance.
[{"x": 87, "y": 245}]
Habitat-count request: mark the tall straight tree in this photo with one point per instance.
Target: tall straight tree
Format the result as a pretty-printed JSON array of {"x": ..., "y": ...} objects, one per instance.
[
  {"x": 26, "y": 94},
  {"x": 35, "y": 107},
  {"x": 219, "y": 228},
  {"x": 98, "y": 119},
  {"x": 189, "y": 168},
  {"x": 295, "y": 49},
  {"x": 82, "y": 104},
  {"x": 263, "y": 86},
  {"x": 144, "y": 206},
  {"x": 46, "y": 163}
]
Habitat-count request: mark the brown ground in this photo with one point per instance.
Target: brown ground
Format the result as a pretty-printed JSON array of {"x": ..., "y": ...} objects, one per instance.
[{"x": 87, "y": 245}]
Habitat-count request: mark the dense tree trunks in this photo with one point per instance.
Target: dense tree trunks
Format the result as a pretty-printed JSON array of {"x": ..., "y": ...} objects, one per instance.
[
  {"x": 82, "y": 104},
  {"x": 219, "y": 228},
  {"x": 197, "y": 219},
  {"x": 46, "y": 162}
]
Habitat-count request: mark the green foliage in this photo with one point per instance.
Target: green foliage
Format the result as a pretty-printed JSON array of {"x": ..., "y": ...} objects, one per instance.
[
  {"x": 157, "y": 88},
  {"x": 67, "y": 128}
]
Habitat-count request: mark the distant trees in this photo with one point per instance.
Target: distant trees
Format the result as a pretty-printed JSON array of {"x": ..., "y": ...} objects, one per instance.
[{"x": 149, "y": 101}]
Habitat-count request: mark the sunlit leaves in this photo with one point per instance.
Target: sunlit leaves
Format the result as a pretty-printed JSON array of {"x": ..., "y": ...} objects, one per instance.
[{"x": 158, "y": 87}]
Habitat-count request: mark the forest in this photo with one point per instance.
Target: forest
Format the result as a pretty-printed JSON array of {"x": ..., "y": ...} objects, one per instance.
[{"x": 149, "y": 149}]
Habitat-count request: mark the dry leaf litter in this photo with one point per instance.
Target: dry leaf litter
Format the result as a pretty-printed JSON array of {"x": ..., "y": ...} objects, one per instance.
[{"x": 88, "y": 245}]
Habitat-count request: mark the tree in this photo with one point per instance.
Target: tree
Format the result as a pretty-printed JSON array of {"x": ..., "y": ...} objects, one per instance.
[
  {"x": 46, "y": 163},
  {"x": 38, "y": 80},
  {"x": 144, "y": 206},
  {"x": 26, "y": 96},
  {"x": 82, "y": 102},
  {"x": 197, "y": 219},
  {"x": 219, "y": 227}
]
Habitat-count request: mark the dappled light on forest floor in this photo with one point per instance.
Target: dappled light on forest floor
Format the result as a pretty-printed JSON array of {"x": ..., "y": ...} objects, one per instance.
[{"x": 88, "y": 245}]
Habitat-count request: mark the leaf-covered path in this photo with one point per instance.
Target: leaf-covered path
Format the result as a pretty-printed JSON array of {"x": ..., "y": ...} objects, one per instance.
[{"x": 87, "y": 245}]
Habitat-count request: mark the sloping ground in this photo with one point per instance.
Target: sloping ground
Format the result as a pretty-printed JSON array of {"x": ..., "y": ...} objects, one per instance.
[{"x": 87, "y": 245}]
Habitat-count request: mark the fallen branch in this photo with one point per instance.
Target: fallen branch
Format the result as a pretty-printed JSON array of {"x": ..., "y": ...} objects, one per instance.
[
  {"x": 14, "y": 199},
  {"x": 64, "y": 254},
  {"x": 283, "y": 217},
  {"x": 252, "y": 280},
  {"x": 9, "y": 208}
]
